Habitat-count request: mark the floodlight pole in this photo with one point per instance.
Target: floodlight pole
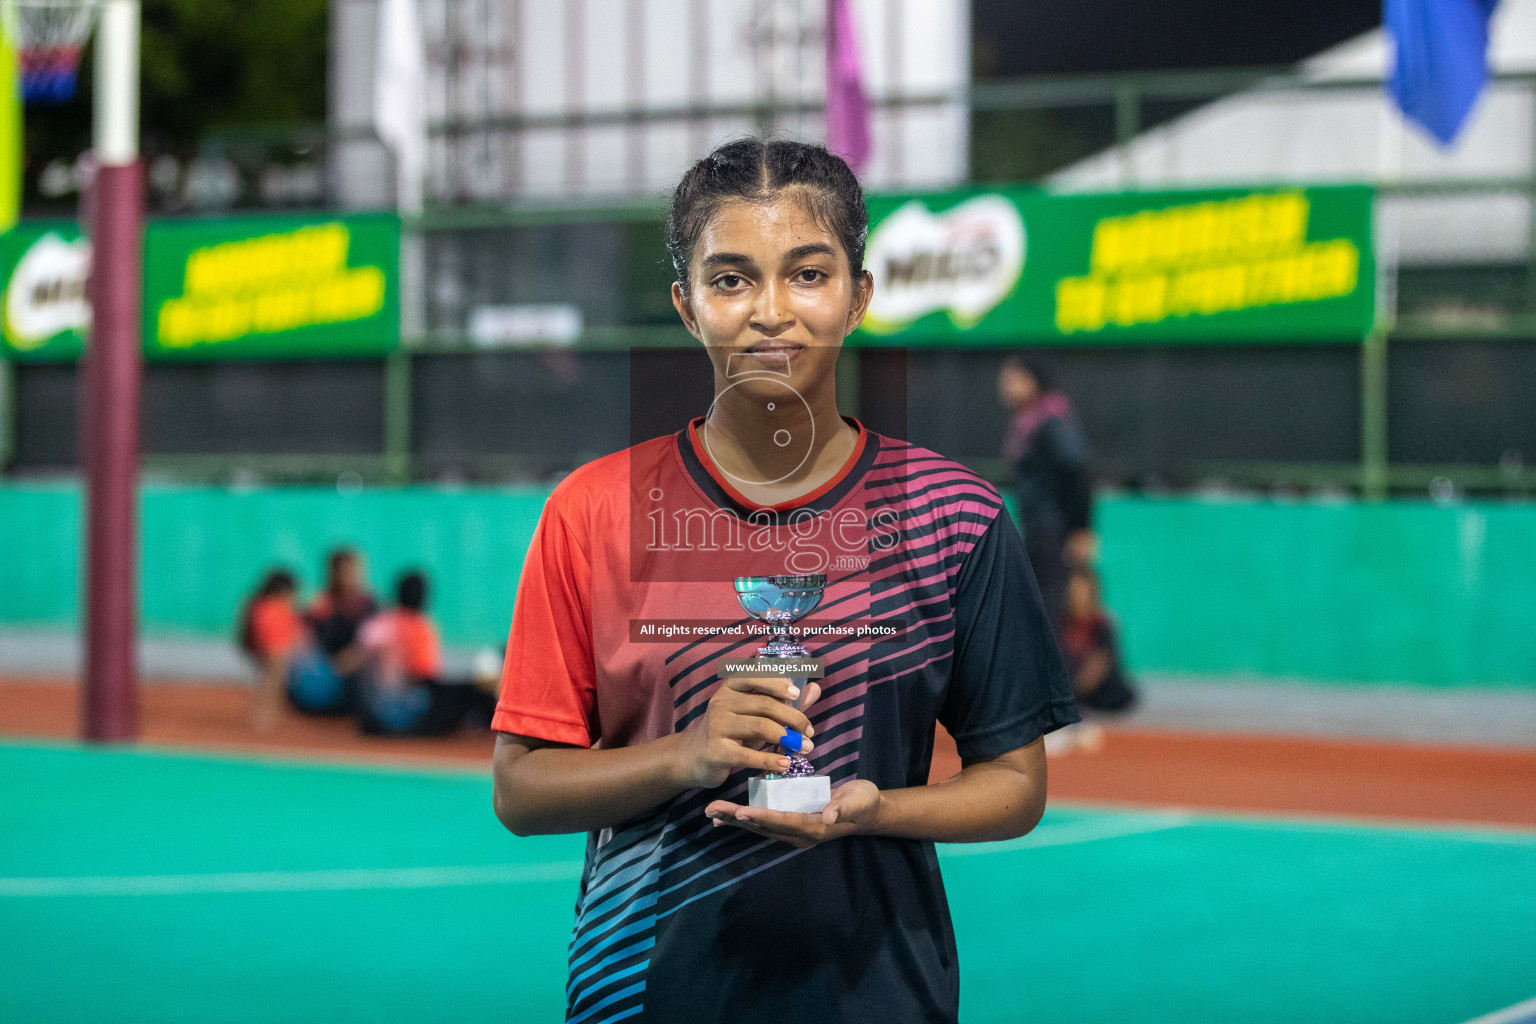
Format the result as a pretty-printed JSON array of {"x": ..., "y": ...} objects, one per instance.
[{"x": 110, "y": 398}]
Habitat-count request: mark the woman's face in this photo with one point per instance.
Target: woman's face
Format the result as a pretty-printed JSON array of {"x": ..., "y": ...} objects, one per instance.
[{"x": 770, "y": 292}]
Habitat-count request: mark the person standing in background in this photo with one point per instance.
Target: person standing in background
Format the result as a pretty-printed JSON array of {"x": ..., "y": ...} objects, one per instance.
[{"x": 1047, "y": 452}]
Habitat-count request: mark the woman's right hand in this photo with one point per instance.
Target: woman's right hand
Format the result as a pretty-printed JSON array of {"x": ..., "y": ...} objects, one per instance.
[{"x": 742, "y": 727}]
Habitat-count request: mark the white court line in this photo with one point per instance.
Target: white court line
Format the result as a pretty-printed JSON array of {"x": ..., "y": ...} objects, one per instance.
[
  {"x": 1466, "y": 831},
  {"x": 291, "y": 881},
  {"x": 1072, "y": 835},
  {"x": 1520, "y": 1013},
  {"x": 494, "y": 874}
]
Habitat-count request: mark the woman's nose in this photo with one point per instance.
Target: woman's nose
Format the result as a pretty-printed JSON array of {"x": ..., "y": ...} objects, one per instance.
[{"x": 771, "y": 315}]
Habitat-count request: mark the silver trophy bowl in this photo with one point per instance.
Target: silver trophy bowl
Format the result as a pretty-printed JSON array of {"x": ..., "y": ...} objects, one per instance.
[{"x": 778, "y": 601}]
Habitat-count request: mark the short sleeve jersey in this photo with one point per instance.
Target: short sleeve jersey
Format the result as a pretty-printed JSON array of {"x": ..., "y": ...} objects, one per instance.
[{"x": 678, "y": 920}]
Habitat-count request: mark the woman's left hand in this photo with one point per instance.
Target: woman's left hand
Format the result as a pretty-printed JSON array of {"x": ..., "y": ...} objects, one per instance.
[{"x": 854, "y": 809}]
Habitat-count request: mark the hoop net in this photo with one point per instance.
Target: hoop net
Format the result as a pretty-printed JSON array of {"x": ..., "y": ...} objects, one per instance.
[{"x": 49, "y": 35}]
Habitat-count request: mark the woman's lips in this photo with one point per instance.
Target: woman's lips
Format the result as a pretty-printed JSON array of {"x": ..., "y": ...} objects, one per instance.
[{"x": 787, "y": 347}]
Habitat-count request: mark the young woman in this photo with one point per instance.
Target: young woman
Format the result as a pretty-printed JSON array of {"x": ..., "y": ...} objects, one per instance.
[{"x": 694, "y": 906}]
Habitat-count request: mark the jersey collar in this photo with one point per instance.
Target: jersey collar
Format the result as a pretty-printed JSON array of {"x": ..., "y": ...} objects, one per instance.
[{"x": 717, "y": 486}]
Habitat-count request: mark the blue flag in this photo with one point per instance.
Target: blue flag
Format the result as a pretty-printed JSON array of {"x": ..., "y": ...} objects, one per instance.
[{"x": 1442, "y": 60}]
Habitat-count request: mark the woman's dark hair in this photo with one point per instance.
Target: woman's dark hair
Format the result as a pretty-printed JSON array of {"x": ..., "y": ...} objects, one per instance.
[
  {"x": 756, "y": 171},
  {"x": 411, "y": 591},
  {"x": 278, "y": 581}
]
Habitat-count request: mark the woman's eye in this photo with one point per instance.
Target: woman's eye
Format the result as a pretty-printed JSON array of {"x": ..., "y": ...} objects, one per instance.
[
  {"x": 728, "y": 281},
  {"x": 810, "y": 275}
]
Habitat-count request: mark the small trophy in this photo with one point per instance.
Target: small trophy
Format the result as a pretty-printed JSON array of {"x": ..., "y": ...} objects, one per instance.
[{"x": 779, "y": 601}]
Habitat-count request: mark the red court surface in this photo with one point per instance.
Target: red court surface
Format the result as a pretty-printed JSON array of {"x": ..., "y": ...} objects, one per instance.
[{"x": 1267, "y": 774}]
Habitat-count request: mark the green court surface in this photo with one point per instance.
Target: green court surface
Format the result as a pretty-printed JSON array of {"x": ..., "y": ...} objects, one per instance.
[{"x": 157, "y": 887}]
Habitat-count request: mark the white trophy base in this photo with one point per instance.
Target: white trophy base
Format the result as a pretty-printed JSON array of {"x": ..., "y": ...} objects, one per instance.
[{"x": 800, "y": 794}]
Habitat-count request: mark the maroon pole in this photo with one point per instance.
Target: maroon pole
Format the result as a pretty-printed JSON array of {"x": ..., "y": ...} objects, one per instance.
[{"x": 110, "y": 447}]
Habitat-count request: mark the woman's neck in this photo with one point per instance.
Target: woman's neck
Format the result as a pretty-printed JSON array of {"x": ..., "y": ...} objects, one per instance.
[{"x": 777, "y": 451}]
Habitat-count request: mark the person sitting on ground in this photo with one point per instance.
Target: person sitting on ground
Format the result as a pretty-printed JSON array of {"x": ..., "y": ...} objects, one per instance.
[
  {"x": 402, "y": 689},
  {"x": 1092, "y": 649},
  {"x": 1092, "y": 652},
  {"x": 337, "y": 613},
  {"x": 279, "y": 640},
  {"x": 272, "y": 632}
]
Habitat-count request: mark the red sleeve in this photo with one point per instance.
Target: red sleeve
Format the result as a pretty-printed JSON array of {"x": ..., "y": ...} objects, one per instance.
[
  {"x": 274, "y": 628},
  {"x": 548, "y": 684}
]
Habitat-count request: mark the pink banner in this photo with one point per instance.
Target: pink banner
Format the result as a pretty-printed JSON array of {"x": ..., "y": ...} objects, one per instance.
[{"x": 847, "y": 105}]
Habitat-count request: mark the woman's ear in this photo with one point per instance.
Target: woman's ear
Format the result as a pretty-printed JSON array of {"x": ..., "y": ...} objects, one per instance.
[
  {"x": 863, "y": 291},
  {"x": 685, "y": 309}
]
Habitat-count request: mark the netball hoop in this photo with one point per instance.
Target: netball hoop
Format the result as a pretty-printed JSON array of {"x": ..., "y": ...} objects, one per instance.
[{"x": 49, "y": 35}]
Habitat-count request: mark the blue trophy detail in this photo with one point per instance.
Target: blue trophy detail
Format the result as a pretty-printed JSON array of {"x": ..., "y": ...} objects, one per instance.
[{"x": 780, "y": 601}]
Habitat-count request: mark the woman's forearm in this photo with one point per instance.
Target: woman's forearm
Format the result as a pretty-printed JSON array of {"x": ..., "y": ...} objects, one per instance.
[
  {"x": 554, "y": 789},
  {"x": 1002, "y": 798}
]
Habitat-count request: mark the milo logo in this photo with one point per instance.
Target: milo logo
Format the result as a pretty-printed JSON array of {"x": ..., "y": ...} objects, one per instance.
[
  {"x": 46, "y": 295},
  {"x": 963, "y": 261}
]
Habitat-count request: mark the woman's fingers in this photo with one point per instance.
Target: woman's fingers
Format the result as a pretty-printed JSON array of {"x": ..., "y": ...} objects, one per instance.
[
  {"x": 778, "y": 711},
  {"x": 779, "y": 687},
  {"x": 721, "y": 809},
  {"x": 812, "y": 695},
  {"x": 768, "y": 761},
  {"x": 731, "y": 752},
  {"x": 785, "y": 826},
  {"x": 750, "y": 729}
]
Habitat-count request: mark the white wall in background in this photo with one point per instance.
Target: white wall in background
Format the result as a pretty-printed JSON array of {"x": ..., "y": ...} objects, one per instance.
[{"x": 514, "y": 58}]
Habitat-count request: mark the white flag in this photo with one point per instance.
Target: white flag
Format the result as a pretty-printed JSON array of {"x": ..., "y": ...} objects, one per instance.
[{"x": 399, "y": 108}]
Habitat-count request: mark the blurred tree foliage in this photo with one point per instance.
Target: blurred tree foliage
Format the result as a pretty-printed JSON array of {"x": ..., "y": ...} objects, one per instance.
[
  {"x": 214, "y": 63},
  {"x": 207, "y": 64}
]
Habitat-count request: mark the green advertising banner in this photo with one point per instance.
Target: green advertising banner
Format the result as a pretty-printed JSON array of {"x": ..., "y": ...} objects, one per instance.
[
  {"x": 270, "y": 287},
  {"x": 1010, "y": 266},
  {"x": 273, "y": 287},
  {"x": 43, "y": 306}
]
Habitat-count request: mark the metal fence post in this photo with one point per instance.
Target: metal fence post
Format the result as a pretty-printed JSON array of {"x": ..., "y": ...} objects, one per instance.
[
  {"x": 7, "y": 414},
  {"x": 1127, "y": 124},
  {"x": 1530, "y": 240},
  {"x": 397, "y": 416},
  {"x": 1373, "y": 416}
]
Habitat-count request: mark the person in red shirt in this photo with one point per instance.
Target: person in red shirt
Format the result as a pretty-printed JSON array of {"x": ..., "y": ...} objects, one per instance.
[
  {"x": 402, "y": 689},
  {"x": 272, "y": 634}
]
